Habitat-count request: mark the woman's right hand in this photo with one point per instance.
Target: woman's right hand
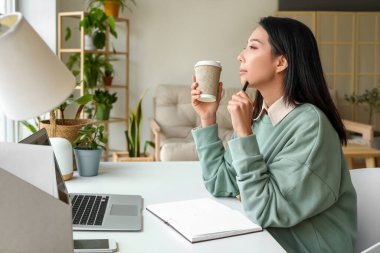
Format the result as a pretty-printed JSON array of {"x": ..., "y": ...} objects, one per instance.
[{"x": 205, "y": 110}]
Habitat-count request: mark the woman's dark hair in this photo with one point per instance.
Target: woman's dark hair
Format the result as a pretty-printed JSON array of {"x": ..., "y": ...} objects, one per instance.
[{"x": 304, "y": 79}]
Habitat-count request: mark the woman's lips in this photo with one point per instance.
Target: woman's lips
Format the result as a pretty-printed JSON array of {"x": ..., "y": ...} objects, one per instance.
[{"x": 242, "y": 71}]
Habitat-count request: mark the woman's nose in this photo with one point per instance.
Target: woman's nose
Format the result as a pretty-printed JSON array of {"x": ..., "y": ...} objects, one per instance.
[{"x": 240, "y": 56}]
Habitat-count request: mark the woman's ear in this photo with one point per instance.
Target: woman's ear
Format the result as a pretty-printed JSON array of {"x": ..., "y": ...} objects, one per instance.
[{"x": 282, "y": 63}]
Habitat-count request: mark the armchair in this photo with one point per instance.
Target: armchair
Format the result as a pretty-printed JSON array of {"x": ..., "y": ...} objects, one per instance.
[{"x": 174, "y": 118}]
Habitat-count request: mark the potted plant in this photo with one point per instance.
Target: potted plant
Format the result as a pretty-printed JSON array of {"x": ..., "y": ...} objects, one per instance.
[
  {"x": 108, "y": 73},
  {"x": 112, "y": 7},
  {"x": 95, "y": 24},
  {"x": 133, "y": 135},
  {"x": 88, "y": 147},
  {"x": 370, "y": 99},
  {"x": 104, "y": 100},
  {"x": 59, "y": 126},
  {"x": 93, "y": 68}
]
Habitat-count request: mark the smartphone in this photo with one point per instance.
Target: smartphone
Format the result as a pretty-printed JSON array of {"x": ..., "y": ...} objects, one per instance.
[{"x": 95, "y": 245}]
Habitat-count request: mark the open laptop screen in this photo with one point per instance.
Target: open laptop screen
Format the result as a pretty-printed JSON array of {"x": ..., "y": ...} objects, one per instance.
[{"x": 41, "y": 138}]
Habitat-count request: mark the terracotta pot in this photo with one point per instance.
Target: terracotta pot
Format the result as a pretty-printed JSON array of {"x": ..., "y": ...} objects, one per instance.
[
  {"x": 111, "y": 8},
  {"x": 107, "y": 80}
]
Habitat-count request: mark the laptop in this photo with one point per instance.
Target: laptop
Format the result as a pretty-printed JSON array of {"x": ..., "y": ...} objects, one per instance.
[{"x": 94, "y": 212}]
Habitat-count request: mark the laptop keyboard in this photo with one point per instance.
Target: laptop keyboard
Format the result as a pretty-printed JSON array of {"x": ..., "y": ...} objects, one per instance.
[{"x": 89, "y": 210}]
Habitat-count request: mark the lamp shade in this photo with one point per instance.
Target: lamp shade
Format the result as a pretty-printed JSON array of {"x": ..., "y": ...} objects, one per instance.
[{"x": 33, "y": 80}]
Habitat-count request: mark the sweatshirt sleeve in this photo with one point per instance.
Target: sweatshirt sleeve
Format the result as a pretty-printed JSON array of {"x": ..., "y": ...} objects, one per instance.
[
  {"x": 294, "y": 185},
  {"x": 218, "y": 174}
]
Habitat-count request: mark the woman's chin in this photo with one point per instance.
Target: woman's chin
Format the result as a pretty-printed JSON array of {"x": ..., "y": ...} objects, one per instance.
[{"x": 243, "y": 81}]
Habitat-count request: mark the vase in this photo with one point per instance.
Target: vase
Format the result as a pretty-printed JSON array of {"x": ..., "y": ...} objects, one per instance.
[
  {"x": 63, "y": 152},
  {"x": 103, "y": 112},
  {"x": 111, "y": 9},
  {"x": 88, "y": 42},
  {"x": 88, "y": 161}
]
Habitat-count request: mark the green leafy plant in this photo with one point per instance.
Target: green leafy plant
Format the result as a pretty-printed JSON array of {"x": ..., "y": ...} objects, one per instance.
[
  {"x": 91, "y": 137},
  {"x": 95, "y": 24},
  {"x": 123, "y": 3},
  {"x": 81, "y": 102},
  {"x": 108, "y": 68},
  {"x": 105, "y": 98},
  {"x": 94, "y": 68},
  {"x": 32, "y": 127},
  {"x": 370, "y": 99},
  {"x": 133, "y": 133}
]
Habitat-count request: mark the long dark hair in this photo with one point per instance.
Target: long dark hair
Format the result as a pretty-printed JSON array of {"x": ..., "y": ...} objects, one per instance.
[{"x": 304, "y": 79}]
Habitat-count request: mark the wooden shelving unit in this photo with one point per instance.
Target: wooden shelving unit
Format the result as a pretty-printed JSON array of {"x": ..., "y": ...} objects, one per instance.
[{"x": 121, "y": 87}]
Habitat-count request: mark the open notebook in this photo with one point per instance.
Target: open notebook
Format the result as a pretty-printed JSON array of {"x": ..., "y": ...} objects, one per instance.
[{"x": 203, "y": 219}]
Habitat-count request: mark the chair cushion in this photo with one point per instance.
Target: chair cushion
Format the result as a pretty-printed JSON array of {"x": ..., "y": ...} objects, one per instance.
[
  {"x": 176, "y": 118},
  {"x": 178, "y": 151},
  {"x": 173, "y": 111}
]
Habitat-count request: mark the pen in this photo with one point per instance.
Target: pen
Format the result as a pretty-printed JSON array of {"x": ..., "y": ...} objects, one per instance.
[{"x": 245, "y": 86}]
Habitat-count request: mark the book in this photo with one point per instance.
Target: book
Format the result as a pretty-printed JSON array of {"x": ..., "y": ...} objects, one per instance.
[{"x": 203, "y": 219}]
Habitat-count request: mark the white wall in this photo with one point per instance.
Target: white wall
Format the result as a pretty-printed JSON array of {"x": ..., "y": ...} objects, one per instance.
[
  {"x": 169, "y": 36},
  {"x": 41, "y": 14}
]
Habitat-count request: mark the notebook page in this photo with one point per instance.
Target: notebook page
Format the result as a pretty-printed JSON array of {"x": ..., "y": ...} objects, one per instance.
[{"x": 200, "y": 217}]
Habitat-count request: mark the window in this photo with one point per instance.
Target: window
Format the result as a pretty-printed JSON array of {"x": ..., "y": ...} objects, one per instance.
[{"x": 7, "y": 127}]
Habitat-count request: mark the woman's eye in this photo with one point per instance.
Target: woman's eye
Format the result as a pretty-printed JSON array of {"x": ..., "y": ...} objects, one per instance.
[{"x": 252, "y": 47}]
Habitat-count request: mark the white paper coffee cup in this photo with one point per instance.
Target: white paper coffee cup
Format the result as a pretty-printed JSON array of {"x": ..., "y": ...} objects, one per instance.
[{"x": 207, "y": 74}]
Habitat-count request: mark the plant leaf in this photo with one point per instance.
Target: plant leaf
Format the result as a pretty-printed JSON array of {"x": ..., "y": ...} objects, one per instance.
[{"x": 68, "y": 33}]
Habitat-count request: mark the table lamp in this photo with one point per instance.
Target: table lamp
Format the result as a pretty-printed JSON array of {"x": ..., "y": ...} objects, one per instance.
[{"x": 32, "y": 81}]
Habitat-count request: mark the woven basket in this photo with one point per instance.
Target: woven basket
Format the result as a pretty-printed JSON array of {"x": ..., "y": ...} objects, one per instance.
[{"x": 67, "y": 128}]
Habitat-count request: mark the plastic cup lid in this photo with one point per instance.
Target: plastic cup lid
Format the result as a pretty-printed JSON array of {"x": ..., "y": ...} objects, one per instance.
[{"x": 208, "y": 63}]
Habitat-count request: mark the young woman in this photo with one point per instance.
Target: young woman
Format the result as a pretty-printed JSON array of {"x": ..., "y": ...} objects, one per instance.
[{"x": 285, "y": 158}]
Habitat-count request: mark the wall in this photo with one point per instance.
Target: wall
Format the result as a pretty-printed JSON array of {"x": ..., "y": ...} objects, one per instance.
[
  {"x": 41, "y": 14},
  {"x": 169, "y": 36}
]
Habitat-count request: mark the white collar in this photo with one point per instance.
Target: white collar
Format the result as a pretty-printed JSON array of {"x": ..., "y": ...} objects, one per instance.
[{"x": 277, "y": 111}]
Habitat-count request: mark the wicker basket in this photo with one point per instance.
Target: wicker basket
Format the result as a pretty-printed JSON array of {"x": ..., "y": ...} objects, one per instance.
[{"x": 67, "y": 128}]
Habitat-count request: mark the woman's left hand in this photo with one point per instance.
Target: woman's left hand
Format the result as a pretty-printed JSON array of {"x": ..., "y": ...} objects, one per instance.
[{"x": 241, "y": 109}]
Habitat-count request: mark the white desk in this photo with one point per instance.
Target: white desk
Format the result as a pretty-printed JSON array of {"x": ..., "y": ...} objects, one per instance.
[{"x": 161, "y": 182}]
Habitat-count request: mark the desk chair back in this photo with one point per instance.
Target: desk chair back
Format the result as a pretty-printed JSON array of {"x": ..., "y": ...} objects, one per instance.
[{"x": 367, "y": 186}]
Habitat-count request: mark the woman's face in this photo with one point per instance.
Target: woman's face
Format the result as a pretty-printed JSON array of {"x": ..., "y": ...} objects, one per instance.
[{"x": 257, "y": 64}]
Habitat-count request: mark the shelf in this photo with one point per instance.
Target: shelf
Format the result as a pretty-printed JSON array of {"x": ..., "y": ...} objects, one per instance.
[
  {"x": 78, "y": 50},
  {"x": 115, "y": 86},
  {"x": 121, "y": 55}
]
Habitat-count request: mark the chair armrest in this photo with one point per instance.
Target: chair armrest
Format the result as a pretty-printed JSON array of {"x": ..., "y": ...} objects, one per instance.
[
  {"x": 155, "y": 136},
  {"x": 364, "y": 129}
]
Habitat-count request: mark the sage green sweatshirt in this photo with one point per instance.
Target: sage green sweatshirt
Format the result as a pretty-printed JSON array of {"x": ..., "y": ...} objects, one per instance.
[{"x": 292, "y": 179}]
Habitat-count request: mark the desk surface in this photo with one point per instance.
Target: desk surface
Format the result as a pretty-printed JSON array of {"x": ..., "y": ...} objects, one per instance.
[{"x": 161, "y": 182}]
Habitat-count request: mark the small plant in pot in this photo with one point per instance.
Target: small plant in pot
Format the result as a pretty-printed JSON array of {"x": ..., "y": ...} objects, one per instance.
[
  {"x": 112, "y": 7},
  {"x": 95, "y": 25},
  {"x": 133, "y": 133},
  {"x": 104, "y": 100},
  {"x": 370, "y": 99},
  {"x": 88, "y": 149},
  {"x": 108, "y": 73},
  {"x": 94, "y": 67}
]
